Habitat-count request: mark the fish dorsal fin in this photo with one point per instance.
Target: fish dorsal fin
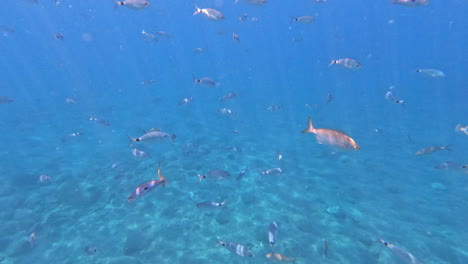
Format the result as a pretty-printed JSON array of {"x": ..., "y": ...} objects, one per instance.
[{"x": 337, "y": 130}]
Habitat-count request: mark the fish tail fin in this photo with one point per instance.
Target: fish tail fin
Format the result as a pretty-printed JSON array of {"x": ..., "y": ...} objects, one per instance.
[
  {"x": 197, "y": 10},
  {"x": 161, "y": 176},
  {"x": 200, "y": 177},
  {"x": 448, "y": 147},
  {"x": 173, "y": 137},
  {"x": 310, "y": 127},
  {"x": 262, "y": 172},
  {"x": 332, "y": 62},
  {"x": 132, "y": 139}
]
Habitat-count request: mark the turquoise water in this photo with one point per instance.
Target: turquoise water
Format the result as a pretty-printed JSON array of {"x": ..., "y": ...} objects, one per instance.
[{"x": 347, "y": 198}]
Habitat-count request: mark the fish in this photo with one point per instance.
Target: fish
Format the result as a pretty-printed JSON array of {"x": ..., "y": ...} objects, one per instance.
[
  {"x": 391, "y": 98},
  {"x": 59, "y": 36},
  {"x": 5, "y": 100},
  {"x": 90, "y": 250},
  {"x": 32, "y": 239},
  {"x": 69, "y": 137},
  {"x": 210, "y": 13},
  {"x": 44, "y": 178},
  {"x": 280, "y": 156},
  {"x": 304, "y": 19},
  {"x": 411, "y": 3},
  {"x": 139, "y": 153},
  {"x": 205, "y": 82},
  {"x": 279, "y": 257},
  {"x": 331, "y": 137},
  {"x": 432, "y": 149},
  {"x": 163, "y": 34},
  {"x": 153, "y": 136},
  {"x": 185, "y": 101},
  {"x": 273, "y": 108},
  {"x": 431, "y": 73},
  {"x": 147, "y": 186},
  {"x": 241, "y": 174},
  {"x": 148, "y": 81},
  {"x": 453, "y": 166},
  {"x": 6, "y": 30},
  {"x": 243, "y": 17},
  {"x": 228, "y": 96},
  {"x": 99, "y": 121},
  {"x": 198, "y": 50},
  {"x": 272, "y": 230},
  {"x": 209, "y": 204},
  {"x": 214, "y": 175},
  {"x": 463, "y": 129},
  {"x": 235, "y": 37},
  {"x": 134, "y": 4},
  {"x": 237, "y": 248},
  {"x": 329, "y": 98},
  {"x": 226, "y": 111},
  {"x": 401, "y": 253},
  {"x": 69, "y": 100},
  {"x": 149, "y": 37},
  {"x": 274, "y": 171},
  {"x": 347, "y": 63}
]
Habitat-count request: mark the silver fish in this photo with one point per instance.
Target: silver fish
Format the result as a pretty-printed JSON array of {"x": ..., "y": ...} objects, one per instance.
[
  {"x": 148, "y": 37},
  {"x": 210, "y": 13},
  {"x": 90, "y": 250},
  {"x": 237, "y": 248},
  {"x": 273, "y": 108},
  {"x": 134, "y": 4},
  {"x": 432, "y": 149},
  {"x": 228, "y": 96},
  {"x": 148, "y": 82},
  {"x": 139, "y": 153},
  {"x": 453, "y": 166},
  {"x": 209, "y": 205},
  {"x": 241, "y": 174},
  {"x": 214, "y": 175},
  {"x": 347, "y": 63},
  {"x": 185, "y": 101},
  {"x": 70, "y": 136},
  {"x": 205, "y": 82},
  {"x": 411, "y": 3},
  {"x": 274, "y": 171},
  {"x": 5, "y": 100},
  {"x": 391, "y": 98},
  {"x": 235, "y": 37},
  {"x": 272, "y": 230},
  {"x": 226, "y": 111},
  {"x": 163, "y": 34},
  {"x": 99, "y": 121},
  {"x": 198, "y": 50},
  {"x": 304, "y": 19},
  {"x": 401, "y": 253},
  {"x": 431, "y": 73},
  {"x": 153, "y": 137}
]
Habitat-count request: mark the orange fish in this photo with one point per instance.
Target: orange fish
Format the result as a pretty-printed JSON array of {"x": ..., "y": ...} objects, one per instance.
[
  {"x": 331, "y": 137},
  {"x": 279, "y": 257}
]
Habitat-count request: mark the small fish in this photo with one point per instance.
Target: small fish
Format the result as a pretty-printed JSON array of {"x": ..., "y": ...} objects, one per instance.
[
  {"x": 274, "y": 171},
  {"x": 401, "y": 253},
  {"x": 153, "y": 136},
  {"x": 147, "y": 186},
  {"x": 134, "y": 4},
  {"x": 32, "y": 239},
  {"x": 331, "y": 137},
  {"x": 235, "y": 37},
  {"x": 148, "y": 37},
  {"x": 226, "y": 111},
  {"x": 6, "y": 30},
  {"x": 5, "y": 100},
  {"x": 431, "y": 73},
  {"x": 214, "y": 175},
  {"x": 280, "y": 156},
  {"x": 70, "y": 136},
  {"x": 237, "y": 248},
  {"x": 243, "y": 17},
  {"x": 139, "y": 153},
  {"x": 210, "y": 13},
  {"x": 90, "y": 250},
  {"x": 279, "y": 257},
  {"x": 228, "y": 97},
  {"x": 391, "y": 98},
  {"x": 148, "y": 82},
  {"x": 347, "y": 63},
  {"x": 432, "y": 149},
  {"x": 411, "y": 3},
  {"x": 163, "y": 34},
  {"x": 209, "y": 205},
  {"x": 99, "y": 121},
  {"x": 205, "y": 82},
  {"x": 69, "y": 100},
  {"x": 329, "y": 98},
  {"x": 198, "y": 50},
  {"x": 462, "y": 129},
  {"x": 59, "y": 36},
  {"x": 450, "y": 165},
  {"x": 273, "y": 108},
  {"x": 304, "y": 19},
  {"x": 44, "y": 178},
  {"x": 241, "y": 174},
  {"x": 272, "y": 230},
  {"x": 185, "y": 101}
]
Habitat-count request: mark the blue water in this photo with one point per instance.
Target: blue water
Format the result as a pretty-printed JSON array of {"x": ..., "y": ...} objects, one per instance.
[{"x": 382, "y": 190}]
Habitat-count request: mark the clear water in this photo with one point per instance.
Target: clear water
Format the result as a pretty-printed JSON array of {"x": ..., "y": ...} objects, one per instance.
[{"x": 383, "y": 189}]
